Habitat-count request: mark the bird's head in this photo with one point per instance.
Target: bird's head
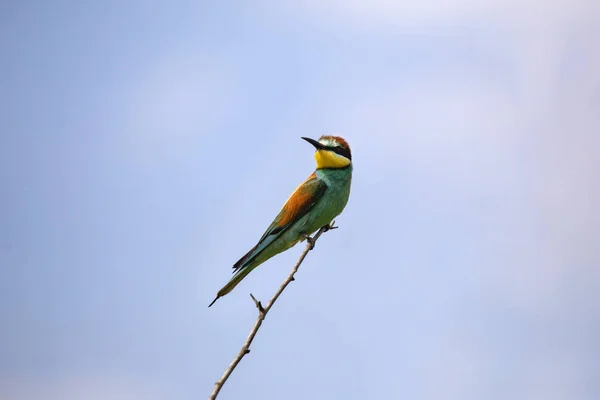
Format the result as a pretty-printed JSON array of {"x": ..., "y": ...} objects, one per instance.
[{"x": 331, "y": 152}]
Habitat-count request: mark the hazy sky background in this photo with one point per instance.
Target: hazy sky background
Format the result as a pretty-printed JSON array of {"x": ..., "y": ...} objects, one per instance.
[{"x": 146, "y": 146}]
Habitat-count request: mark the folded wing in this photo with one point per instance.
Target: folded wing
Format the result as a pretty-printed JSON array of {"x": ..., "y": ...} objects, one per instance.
[{"x": 298, "y": 204}]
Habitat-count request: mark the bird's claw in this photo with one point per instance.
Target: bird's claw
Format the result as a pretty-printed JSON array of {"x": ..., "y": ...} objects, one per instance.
[
  {"x": 310, "y": 240},
  {"x": 331, "y": 226}
]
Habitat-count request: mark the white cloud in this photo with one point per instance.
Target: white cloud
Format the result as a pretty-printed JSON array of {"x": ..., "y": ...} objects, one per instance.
[{"x": 390, "y": 14}]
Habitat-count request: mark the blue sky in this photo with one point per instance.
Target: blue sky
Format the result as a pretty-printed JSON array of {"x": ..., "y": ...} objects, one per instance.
[{"x": 146, "y": 146}]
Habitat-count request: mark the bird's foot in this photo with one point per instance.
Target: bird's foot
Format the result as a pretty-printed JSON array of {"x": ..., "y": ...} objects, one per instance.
[
  {"x": 310, "y": 240},
  {"x": 331, "y": 226}
]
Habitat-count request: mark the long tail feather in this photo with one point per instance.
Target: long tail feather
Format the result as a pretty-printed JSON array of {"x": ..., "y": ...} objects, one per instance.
[{"x": 233, "y": 282}]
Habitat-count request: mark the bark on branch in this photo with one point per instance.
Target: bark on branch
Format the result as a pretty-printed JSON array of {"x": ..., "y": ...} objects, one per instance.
[{"x": 263, "y": 311}]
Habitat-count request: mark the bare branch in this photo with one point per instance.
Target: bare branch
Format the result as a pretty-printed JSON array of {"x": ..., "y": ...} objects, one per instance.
[{"x": 262, "y": 311}]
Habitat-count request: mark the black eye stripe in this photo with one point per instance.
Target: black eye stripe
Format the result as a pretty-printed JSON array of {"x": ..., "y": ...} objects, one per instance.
[{"x": 341, "y": 151}]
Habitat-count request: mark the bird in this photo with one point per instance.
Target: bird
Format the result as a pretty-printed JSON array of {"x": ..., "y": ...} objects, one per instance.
[{"x": 313, "y": 205}]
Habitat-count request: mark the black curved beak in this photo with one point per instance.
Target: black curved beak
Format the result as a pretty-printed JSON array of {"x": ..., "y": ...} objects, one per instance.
[{"x": 315, "y": 143}]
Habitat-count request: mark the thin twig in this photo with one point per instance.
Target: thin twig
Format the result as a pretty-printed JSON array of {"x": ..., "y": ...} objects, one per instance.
[{"x": 262, "y": 311}]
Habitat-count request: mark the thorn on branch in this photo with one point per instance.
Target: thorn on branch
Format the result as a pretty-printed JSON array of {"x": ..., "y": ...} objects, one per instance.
[
  {"x": 247, "y": 351},
  {"x": 257, "y": 304},
  {"x": 292, "y": 279}
]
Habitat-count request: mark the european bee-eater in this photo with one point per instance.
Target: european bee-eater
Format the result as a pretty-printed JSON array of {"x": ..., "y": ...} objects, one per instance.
[{"x": 314, "y": 204}]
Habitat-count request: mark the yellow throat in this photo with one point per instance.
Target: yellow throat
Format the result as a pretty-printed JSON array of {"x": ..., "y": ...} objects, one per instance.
[{"x": 330, "y": 159}]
